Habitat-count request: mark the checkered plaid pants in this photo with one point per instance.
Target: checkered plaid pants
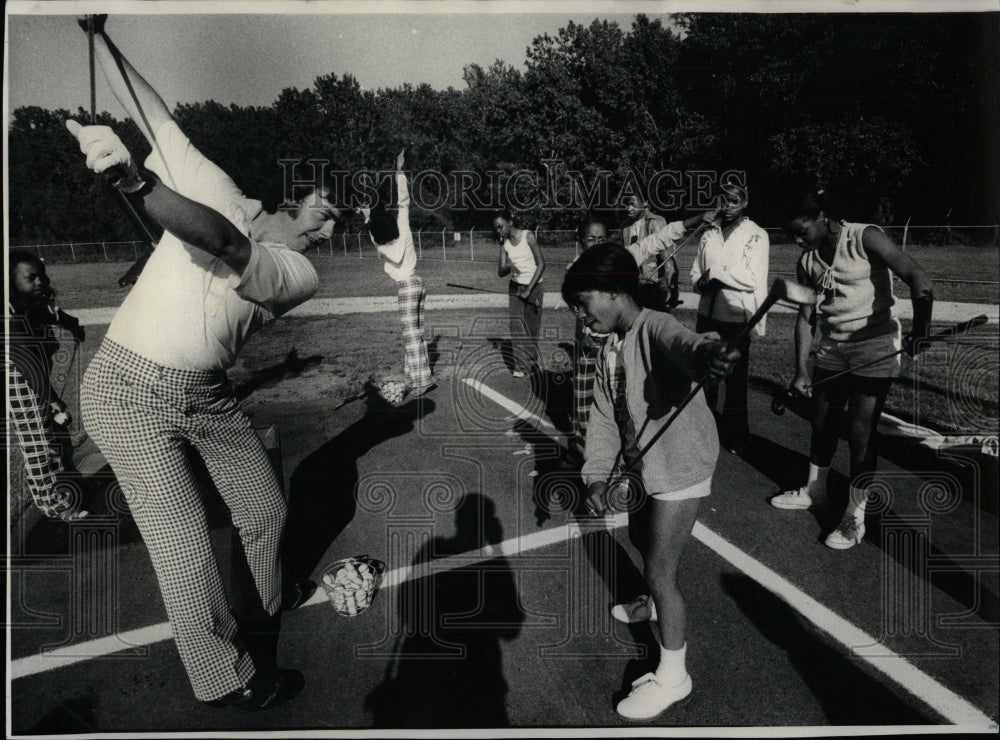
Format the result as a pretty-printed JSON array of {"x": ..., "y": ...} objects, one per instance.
[
  {"x": 410, "y": 294},
  {"x": 583, "y": 394},
  {"x": 30, "y": 423},
  {"x": 146, "y": 418}
]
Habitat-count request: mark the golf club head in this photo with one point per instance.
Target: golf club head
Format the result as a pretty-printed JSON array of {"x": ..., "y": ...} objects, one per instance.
[{"x": 793, "y": 292}]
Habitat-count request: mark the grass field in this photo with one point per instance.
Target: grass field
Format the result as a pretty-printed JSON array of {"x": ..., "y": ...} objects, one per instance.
[{"x": 95, "y": 284}]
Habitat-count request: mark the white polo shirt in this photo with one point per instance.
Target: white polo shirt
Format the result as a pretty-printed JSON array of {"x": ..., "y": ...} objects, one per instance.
[{"x": 189, "y": 310}]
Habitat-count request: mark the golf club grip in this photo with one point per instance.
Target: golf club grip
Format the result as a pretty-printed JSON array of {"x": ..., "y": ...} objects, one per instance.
[{"x": 114, "y": 175}]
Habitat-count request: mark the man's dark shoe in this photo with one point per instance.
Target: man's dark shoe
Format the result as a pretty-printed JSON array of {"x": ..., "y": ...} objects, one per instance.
[
  {"x": 295, "y": 593},
  {"x": 264, "y": 691}
]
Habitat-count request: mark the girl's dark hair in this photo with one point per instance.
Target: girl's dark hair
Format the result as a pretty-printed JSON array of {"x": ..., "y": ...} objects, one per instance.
[
  {"x": 19, "y": 257},
  {"x": 606, "y": 267},
  {"x": 382, "y": 226},
  {"x": 504, "y": 214},
  {"x": 808, "y": 205}
]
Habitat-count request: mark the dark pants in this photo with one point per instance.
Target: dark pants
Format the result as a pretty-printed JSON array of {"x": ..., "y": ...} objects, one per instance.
[
  {"x": 734, "y": 425},
  {"x": 525, "y": 326}
]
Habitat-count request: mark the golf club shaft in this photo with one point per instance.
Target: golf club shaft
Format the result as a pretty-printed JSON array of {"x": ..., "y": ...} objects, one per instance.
[
  {"x": 734, "y": 342},
  {"x": 954, "y": 330},
  {"x": 683, "y": 244}
]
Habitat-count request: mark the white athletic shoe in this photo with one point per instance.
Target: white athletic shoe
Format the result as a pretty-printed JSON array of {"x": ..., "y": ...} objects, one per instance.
[
  {"x": 649, "y": 699},
  {"x": 640, "y": 609},
  {"x": 797, "y": 499},
  {"x": 848, "y": 533},
  {"x": 518, "y": 374}
]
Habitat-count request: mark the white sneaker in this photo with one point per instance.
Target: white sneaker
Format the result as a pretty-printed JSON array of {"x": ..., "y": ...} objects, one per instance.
[
  {"x": 649, "y": 699},
  {"x": 640, "y": 609},
  {"x": 797, "y": 499},
  {"x": 518, "y": 374},
  {"x": 848, "y": 533}
]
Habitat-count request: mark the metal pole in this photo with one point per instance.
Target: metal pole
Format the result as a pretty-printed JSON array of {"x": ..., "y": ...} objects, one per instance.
[
  {"x": 105, "y": 248},
  {"x": 360, "y": 256},
  {"x": 444, "y": 255},
  {"x": 72, "y": 252},
  {"x": 906, "y": 230},
  {"x": 472, "y": 247},
  {"x": 343, "y": 238},
  {"x": 420, "y": 245}
]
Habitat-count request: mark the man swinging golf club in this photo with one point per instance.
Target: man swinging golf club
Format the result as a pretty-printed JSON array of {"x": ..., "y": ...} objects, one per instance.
[{"x": 158, "y": 387}]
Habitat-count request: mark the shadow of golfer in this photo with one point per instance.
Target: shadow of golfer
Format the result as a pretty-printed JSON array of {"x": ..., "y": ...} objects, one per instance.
[
  {"x": 321, "y": 499},
  {"x": 848, "y": 695},
  {"x": 447, "y": 669}
]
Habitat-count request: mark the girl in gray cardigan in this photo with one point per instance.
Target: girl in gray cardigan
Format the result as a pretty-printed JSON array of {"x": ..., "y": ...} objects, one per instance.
[{"x": 645, "y": 369}]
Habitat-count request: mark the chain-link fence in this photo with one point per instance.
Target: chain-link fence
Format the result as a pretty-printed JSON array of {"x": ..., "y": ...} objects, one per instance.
[{"x": 937, "y": 248}]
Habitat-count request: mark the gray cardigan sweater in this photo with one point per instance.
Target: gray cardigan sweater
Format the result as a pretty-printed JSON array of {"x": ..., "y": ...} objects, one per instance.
[{"x": 658, "y": 354}]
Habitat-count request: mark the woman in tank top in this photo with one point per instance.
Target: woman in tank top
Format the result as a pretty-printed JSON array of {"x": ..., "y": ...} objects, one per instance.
[
  {"x": 521, "y": 258},
  {"x": 850, "y": 266}
]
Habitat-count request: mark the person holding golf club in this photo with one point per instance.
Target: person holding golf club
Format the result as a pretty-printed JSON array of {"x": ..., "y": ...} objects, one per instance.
[
  {"x": 36, "y": 414},
  {"x": 394, "y": 241},
  {"x": 650, "y": 418},
  {"x": 730, "y": 274},
  {"x": 521, "y": 258},
  {"x": 658, "y": 277},
  {"x": 157, "y": 389},
  {"x": 850, "y": 266}
]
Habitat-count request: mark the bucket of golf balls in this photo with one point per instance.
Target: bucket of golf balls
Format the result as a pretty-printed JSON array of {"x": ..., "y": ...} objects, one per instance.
[
  {"x": 393, "y": 391},
  {"x": 351, "y": 584}
]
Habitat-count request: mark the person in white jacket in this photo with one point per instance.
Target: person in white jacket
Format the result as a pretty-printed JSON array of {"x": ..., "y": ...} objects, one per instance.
[{"x": 730, "y": 274}]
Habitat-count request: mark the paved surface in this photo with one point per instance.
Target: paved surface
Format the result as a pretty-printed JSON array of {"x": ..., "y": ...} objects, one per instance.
[{"x": 507, "y": 615}]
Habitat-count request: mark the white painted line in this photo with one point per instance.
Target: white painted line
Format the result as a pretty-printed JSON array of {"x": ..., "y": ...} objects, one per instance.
[
  {"x": 72, "y": 654},
  {"x": 519, "y": 411},
  {"x": 79, "y": 652},
  {"x": 943, "y": 700}
]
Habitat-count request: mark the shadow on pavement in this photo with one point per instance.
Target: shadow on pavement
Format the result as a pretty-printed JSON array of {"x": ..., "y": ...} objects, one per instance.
[
  {"x": 321, "y": 489},
  {"x": 847, "y": 694},
  {"x": 446, "y": 669},
  {"x": 287, "y": 369}
]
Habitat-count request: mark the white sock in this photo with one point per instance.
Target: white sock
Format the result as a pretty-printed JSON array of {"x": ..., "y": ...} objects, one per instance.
[
  {"x": 816, "y": 484},
  {"x": 858, "y": 501},
  {"x": 672, "y": 669}
]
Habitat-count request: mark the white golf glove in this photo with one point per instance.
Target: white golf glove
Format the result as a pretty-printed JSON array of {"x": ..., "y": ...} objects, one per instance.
[{"x": 106, "y": 153}]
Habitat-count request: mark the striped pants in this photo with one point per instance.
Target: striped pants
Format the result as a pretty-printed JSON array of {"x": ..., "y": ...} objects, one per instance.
[
  {"x": 417, "y": 365},
  {"x": 146, "y": 419}
]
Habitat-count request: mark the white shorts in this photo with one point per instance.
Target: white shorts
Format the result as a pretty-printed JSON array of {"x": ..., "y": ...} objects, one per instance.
[{"x": 698, "y": 490}]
